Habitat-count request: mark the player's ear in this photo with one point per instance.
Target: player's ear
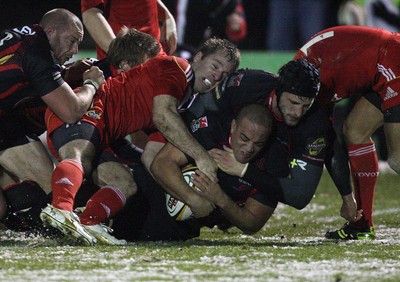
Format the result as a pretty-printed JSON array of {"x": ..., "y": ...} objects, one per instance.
[
  {"x": 198, "y": 57},
  {"x": 233, "y": 126}
]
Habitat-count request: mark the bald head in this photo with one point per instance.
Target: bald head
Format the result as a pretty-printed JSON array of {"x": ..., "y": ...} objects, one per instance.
[
  {"x": 59, "y": 18},
  {"x": 64, "y": 31}
]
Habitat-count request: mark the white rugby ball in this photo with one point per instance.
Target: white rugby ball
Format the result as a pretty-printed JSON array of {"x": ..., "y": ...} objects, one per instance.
[{"x": 176, "y": 208}]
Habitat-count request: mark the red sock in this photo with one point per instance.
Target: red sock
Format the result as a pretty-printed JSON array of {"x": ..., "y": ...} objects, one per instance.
[
  {"x": 65, "y": 181},
  {"x": 104, "y": 204},
  {"x": 365, "y": 170}
]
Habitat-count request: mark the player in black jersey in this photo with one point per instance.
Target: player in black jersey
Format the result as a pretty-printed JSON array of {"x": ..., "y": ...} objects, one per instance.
[
  {"x": 293, "y": 162},
  {"x": 30, "y": 79},
  {"x": 147, "y": 214}
]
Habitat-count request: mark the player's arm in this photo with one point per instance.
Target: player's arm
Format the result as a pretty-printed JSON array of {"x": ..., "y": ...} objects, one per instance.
[
  {"x": 98, "y": 27},
  {"x": 170, "y": 124},
  {"x": 70, "y": 106},
  {"x": 166, "y": 170},
  {"x": 168, "y": 31},
  {"x": 249, "y": 218}
]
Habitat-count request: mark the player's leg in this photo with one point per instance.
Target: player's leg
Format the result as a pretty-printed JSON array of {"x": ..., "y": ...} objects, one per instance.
[
  {"x": 76, "y": 147},
  {"x": 392, "y": 133},
  {"x": 29, "y": 161},
  {"x": 363, "y": 120},
  {"x": 117, "y": 184}
]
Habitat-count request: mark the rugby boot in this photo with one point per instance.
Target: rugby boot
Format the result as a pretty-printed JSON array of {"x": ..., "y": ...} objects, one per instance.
[
  {"x": 347, "y": 232},
  {"x": 103, "y": 235},
  {"x": 68, "y": 223}
]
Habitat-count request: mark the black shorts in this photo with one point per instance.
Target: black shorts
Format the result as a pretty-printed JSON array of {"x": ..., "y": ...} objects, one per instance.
[
  {"x": 69, "y": 132},
  {"x": 14, "y": 132},
  {"x": 391, "y": 115},
  {"x": 145, "y": 216},
  {"x": 374, "y": 99}
]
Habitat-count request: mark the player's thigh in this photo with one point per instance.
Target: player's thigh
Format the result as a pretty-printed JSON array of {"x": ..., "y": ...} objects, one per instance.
[
  {"x": 29, "y": 161},
  {"x": 80, "y": 150},
  {"x": 362, "y": 121},
  {"x": 115, "y": 174}
]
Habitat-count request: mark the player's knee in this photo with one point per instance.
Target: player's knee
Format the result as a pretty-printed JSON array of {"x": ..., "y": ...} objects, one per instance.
[
  {"x": 353, "y": 134},
  {"x": 298, "y": 202},
  {"x": 394, "y": 163}
]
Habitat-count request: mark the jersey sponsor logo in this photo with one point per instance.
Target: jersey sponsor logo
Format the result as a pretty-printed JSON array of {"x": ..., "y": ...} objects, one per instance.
[
  {"x": 235, "y": 80},
  {"x": 24, "y": 30},
  {"x": 316, "y": 146},
  {"x": 93, "y": 114},
  {"x": 8, "y": 36},
  {"x": 366, "y": 174},
  {"x": 390, "y": 93},
  {"x": 4, "y": 59},
  {"x": 387, "y": 73},
  {"x": 199, "y": 123},
  {"x": 298, "y": 163}
]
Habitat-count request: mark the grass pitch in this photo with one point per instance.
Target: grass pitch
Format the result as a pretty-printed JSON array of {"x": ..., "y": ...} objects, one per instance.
[{"x": 290, "y": 247}]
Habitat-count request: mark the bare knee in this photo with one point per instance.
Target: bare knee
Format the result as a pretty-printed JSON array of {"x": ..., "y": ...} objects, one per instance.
[
  {"x": 117, "y": 175},
  {"x": 394, "y": 163},
  {"x": 354, "y": 134}
]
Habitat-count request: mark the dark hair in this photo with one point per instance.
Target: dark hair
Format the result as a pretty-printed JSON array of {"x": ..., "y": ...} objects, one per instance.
[
  {"x": 256, "y": 113},
  {"x": 132, "y": 45},
  {"x": 214, "y": 44},
  {"x": 298, "y": 77}
]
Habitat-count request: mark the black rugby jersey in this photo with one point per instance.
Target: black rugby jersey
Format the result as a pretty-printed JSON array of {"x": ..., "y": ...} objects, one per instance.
[{"x": 27, "y": 66}]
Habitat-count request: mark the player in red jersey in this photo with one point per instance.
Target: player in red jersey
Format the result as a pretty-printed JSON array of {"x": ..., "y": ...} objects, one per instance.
[
  {"x": 144, "y": 97},
  {"x": 360, "y": 61},
  {"x": 105, "y": 18},
  {"x": 30, "y": 73}
]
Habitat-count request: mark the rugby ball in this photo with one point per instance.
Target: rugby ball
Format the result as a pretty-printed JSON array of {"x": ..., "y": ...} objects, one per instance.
[{"x": 176, "y": 208}]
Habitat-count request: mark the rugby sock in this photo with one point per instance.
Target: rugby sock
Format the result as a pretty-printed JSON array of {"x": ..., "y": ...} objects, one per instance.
[
  {"x": 104, "y": 204},
  {"x": 364, "y": 169},
  {"x": 66, "y": 180}
]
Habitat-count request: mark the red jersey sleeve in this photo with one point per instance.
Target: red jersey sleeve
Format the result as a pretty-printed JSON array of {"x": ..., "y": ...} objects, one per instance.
[{"x": 87, "y": 4}]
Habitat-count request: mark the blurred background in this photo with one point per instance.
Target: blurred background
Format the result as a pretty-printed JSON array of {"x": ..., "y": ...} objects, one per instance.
[{"x": 259, "y": 15}]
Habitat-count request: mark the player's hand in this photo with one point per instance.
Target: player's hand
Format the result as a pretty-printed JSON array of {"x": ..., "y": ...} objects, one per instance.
[
  {"x": 200, "y": 206},
  {"x": 95, "y": 74},
  {"x": 168, "y": 36},
  {"x": 349, "y": 209},
  {"x": 226, "y": 161},
  {"x": 74, "y": 72},
  {"x": 207, "y": 188}
]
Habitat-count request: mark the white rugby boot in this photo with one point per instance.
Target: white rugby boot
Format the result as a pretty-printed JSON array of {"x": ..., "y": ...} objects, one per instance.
[
  {"x": 68, "y": 223},
  {"x": 103, "y": 235}
]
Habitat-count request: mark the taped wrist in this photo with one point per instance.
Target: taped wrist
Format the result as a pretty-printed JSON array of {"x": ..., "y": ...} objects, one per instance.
[{"x": 92, "y": 83}]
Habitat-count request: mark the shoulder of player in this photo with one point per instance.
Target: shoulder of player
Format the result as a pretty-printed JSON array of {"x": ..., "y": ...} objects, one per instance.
[
  {"x": 172, "y": 65},
  {"x": 252, "y": 78}
]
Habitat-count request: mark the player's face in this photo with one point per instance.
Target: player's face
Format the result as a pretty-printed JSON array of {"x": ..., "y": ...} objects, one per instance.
[
  {"x": 209, "y": 70},
  {"x": 64, "y": 43},
  {"x": 247, "y": 139},
  {"x": 293, "y": 107}
]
